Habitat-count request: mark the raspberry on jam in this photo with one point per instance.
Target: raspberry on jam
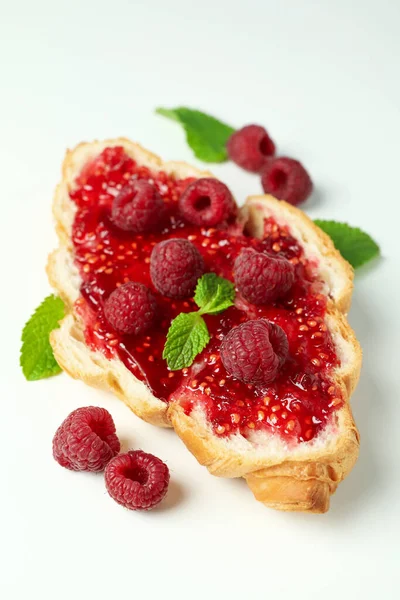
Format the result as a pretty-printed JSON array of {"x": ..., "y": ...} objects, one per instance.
[
  {"x": 254, "y": 351},
  {"x": 297, "y": 403}
]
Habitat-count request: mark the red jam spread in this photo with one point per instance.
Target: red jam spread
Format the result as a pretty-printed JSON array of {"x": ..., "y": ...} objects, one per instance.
[{"x": 297, "y": 404}]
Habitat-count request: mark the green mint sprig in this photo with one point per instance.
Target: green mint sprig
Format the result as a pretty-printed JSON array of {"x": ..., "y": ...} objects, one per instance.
[
  {"x": 356, "y": 246},
  {"x": 188, "y": 334},
  {"x": 206, "y": 135},
  {"x": 37, "y": 358}
]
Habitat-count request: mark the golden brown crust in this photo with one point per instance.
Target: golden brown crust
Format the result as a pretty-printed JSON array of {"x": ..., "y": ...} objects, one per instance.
[{"x": 288, "y": 478}]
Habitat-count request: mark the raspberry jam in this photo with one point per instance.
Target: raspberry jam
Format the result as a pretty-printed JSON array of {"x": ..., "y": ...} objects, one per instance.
[{"x": 297, "y": 404}]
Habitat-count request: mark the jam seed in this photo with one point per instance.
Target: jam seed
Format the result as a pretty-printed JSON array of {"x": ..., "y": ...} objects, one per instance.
[
  {"x": 308, "y": 434},
  {"x": 316, "y": 336},
  {"x": 273, "y": 419},
  {"x": 260, "y": 415},
  {"x": 335, "y": 402},
  {"x": 276, "y": 407},
  {"x": 290, "y": 425},
  {"x": 276, "y": 247},
  {"x": 315, "y": 362},
  {"x": 266, "y": 400},
  {"x": 194, "y": 383},
  {"x": 251, "y": 425},
  {"x": 235, "y": 418},
  {"x": 222, "y": 382},
  {"x": 220, "y": 429}
]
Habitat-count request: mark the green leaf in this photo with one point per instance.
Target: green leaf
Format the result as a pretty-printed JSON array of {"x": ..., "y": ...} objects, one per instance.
[
  {"x": 206, "y": 135},
  {"x": 169, "y": 113},
  {"x": 213, "y": 294},
  {"x": 37, "y": 358},
  {"x": 356, "y": 246},
  {"x": 187, "y": 337}
]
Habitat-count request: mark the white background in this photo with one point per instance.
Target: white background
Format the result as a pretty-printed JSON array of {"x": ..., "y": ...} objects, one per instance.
[{"x": 323, "y": 77}]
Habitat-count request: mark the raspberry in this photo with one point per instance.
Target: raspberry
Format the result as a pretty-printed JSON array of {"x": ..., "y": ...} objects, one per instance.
[
  {"x": 138, "y": 207},
  {"x": 111, "y": 160},
  {"x": 262, "y": 278},
  {"x": 175, "y": 266},
  {"x": 137, "y": 480},
  {"x": 249, "y": 147},
  {"x": 131, "y": 308},
  {"x": 207, "y": 202},
  {"x": 286, "y": 179},
  {"x": 254, "y": 351},
  {"x": 86, "y": 440}
]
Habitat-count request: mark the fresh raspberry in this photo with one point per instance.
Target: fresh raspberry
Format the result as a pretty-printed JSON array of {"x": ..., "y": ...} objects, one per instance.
[
  {"x": 249, "y": 147},
  {"x": 86, "y": 440},
  {"x": 138, "y": 207},
  {"x": 262, "y": 278},
  {"x": 111, "y": 160},
  {"x": 207, "y": 202},
  {"x": 254, "y": 351},
  {"x": 286, "y": 179},
  {"x": 137, "y": 480},
  {"x": 175, "y": 266},
  {"x": 131, "y": 308}
]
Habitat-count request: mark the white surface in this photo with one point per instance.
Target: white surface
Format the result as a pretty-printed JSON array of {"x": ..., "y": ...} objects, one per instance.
[{"x": 323, "y": 77}]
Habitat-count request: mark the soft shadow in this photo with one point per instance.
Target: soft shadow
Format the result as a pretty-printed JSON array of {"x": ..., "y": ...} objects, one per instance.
[
  {"x": 365, "y": 481},
  {"x": 315, "y": 200},
  {"x": 369, "y": 268},
  {"x": 175, "y": 497},
  {"x": 126, "y": 444}
]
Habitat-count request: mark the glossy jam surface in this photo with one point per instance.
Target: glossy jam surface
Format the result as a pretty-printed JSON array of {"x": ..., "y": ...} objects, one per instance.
[{"x": 297, "y": 403}]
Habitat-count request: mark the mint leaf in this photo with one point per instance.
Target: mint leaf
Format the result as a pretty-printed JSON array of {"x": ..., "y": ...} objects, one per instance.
[
  {"x": 169, "y": 113},
  {"x": 187, "y": 337},
  {"x": 213, "y": 294},
  {"x": 206, "y": 135},
  {"x": 356, "y": 246},
  {"x": 37, "y": 359}
]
